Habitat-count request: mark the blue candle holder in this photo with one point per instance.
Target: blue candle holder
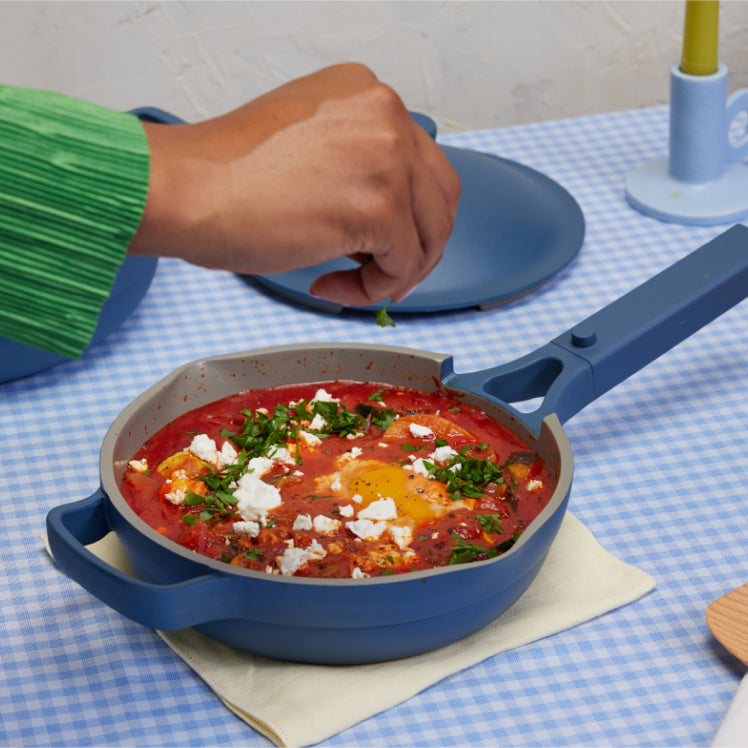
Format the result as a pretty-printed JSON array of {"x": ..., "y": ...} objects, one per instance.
[{"x": 703, "y": 181}]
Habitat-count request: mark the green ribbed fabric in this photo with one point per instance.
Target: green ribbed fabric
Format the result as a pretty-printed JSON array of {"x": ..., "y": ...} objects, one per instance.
[{"x": 73, "y": 183}]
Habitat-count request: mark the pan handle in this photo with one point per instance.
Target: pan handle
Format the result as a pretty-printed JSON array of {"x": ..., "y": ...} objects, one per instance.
[
  {"x": 592, "y": 357},
  {"x": 162, "y": 606}
]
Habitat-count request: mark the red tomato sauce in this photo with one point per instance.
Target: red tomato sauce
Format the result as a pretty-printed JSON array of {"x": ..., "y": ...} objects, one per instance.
[{"x": 383, "y": 480}]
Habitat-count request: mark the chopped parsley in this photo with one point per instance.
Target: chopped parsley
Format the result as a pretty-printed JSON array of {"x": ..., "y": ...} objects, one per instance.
[
  {"x": 340, "y": 420},
  {"x": 383, "y": 318},
  {"x": 465, "y": 552},
  {"x": 218, "y": 505},
  {"x": 384, "y": 418},
  {"x": 489, "y": 522},
  {"x": 465, "y": 475},
  {"x": 262, "y": 434}
]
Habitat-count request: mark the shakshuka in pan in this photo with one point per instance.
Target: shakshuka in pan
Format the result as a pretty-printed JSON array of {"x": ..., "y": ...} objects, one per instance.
[{"x": 338, "y": 479}]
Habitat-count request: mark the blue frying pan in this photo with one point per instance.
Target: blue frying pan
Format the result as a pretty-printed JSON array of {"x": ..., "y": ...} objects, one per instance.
[{"x": 343, "y": 621}]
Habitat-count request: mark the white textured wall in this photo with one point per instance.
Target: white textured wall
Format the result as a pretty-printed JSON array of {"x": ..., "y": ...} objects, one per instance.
[{"x": 468, "y": 64}]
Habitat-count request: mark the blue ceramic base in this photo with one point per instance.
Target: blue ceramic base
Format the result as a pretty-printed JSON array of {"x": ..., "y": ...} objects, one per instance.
[{"x": 652, "y": 191}]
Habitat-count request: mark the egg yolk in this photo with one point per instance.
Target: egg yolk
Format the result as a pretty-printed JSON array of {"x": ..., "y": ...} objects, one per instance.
[{"x": 414, "y": 495}]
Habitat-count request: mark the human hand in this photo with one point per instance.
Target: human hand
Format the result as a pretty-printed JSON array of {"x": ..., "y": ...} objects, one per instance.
[{"x": 325, "y": 166}]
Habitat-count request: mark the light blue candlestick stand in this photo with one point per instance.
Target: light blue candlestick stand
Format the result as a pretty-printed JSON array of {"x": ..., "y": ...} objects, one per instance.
[{"x": 703, "y": 181}]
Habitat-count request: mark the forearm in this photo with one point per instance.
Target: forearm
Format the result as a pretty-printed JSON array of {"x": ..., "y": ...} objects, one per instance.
[{"x": 73, "y": 182}]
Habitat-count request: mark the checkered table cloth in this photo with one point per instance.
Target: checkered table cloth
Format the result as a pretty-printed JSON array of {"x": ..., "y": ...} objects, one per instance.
[{"x": 661, "y": 480}]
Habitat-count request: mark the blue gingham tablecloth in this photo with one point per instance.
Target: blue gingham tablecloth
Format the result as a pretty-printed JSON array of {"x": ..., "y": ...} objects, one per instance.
[{"x": 661, "y": 480}]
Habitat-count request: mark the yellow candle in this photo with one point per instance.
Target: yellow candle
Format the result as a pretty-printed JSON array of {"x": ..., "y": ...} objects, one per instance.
[{"x": 700, "y": 38}]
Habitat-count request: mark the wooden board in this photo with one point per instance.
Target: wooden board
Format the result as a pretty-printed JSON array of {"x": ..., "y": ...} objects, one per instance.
[{"x": 727, "y": 617}]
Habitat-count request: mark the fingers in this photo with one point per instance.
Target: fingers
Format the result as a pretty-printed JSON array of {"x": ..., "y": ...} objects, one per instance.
[
  {"x": 438, "y": 174},
  {"x": 435, "y": 192},
  {"x": 415, "y": 229}
]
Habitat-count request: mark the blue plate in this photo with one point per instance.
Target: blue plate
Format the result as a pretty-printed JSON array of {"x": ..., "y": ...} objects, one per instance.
[
  {"x": 130, "y": 286},
  {"x": 515, "y": 229}
]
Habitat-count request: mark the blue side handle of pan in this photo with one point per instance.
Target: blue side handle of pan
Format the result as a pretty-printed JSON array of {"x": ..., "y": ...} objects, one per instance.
[
  {"x": 164, "y": 606},
  {"x": 592, "y": 357}
]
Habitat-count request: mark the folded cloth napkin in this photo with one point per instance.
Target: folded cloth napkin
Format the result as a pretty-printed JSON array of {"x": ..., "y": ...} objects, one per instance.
[
  {"x": 733, "y": 732},
  {"x": 288, "y": 702}
]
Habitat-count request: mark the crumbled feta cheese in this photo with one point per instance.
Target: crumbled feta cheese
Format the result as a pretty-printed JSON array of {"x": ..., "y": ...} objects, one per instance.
[
  {"x": 139, "y": 466},
  {"x": 380, "y": 509},
  {"x": 294, "y": 558},
  {"x": 347, "y": 511},
  {"x": 336, "y": 485},
  {"x": 291, "y": 561},
  {"x": 418, "y": 466},
  {"x": 259, "y": 466},
  {"x": 302, "y": 522},
  {"x": 311, "y": 440},
  {"x": 249, "y": 528},
  {"x": 358, "y": 573},
  {"x": 175, "y": 497},
  {"x": 318, "y": 423},
  {"x": 402, "y": 537},
  {"x": 325, "y": 525},
  {"x": 204, "y": 447},
  {"x": 366, "y": 529},
  {"x": 357, "y": 498},
  {"x": 534, "y": 485},
  {"x": 228, "y": 454},
  {"x": 316, "y": 551},
  {"x": 419, "y": 431},
  {"x": 442, "y": 454},
  {"x": 280, "y": 455},
  {"x": 255, "y": 498},
  {"x": 322, "y": 396}
]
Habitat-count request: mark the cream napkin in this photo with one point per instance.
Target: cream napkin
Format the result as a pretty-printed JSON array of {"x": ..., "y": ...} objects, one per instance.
[
  {"x": 289, "y": 703},
  {"x": 733, "y": 732}
]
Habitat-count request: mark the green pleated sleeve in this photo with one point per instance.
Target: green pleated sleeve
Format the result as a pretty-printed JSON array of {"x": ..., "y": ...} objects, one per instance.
[{"x": 73, "y": 184}]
